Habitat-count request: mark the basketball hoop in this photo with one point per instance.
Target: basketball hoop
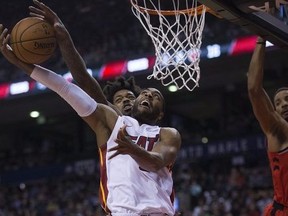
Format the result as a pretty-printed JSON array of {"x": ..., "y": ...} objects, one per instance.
[{"x": 175, "y": 27}]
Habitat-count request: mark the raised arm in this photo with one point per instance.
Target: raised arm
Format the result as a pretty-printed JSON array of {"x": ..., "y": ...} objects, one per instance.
[
  {"x": 262, "y": 105},
  {"x": 71, "y": 56},
  {"x": 80, "y": 101}
]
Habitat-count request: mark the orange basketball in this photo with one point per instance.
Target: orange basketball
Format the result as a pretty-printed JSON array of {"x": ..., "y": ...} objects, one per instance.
[{"x": 33, "y": 40}]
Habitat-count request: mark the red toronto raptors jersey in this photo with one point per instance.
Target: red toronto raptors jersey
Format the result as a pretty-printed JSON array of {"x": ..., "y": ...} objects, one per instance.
[
  {"x": 125, "y": 188},
  {"x": 279, "y": 168}
]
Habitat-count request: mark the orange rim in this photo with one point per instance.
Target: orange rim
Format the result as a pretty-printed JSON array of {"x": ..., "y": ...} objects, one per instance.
[{"x": 198, "y": 10}]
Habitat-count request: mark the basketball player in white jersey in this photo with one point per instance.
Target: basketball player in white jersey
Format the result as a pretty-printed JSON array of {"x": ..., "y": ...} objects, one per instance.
[
  {"x": 120, "y": 94},
  {"x": 136, "y": 155}
]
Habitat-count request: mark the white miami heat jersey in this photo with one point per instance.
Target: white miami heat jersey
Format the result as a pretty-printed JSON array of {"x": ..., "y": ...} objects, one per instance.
[{"x": 125, "y": 188}]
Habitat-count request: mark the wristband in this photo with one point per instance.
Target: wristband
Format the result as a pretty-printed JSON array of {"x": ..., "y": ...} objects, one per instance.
[{"x": 81, "y": 102}]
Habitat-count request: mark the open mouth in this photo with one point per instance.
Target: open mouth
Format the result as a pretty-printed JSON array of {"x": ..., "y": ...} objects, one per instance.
[
  {"x": 145, "y": 103},
  {"x": 285, "y": 113},
  {"x": 127, "y": 107}
]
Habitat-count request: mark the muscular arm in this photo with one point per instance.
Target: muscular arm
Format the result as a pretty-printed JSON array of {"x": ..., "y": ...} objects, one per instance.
[
  {"x": 71, "y": 56},
  {"x": 163, "y": 154},
  {"x": 79, "y": 71},
  {"x": 262, "y": 105}
]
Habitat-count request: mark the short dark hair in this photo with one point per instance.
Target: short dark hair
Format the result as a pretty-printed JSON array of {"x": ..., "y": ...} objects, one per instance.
[
  {"x": 118, "y": 84},
  {"x": 279, "y": 90}
]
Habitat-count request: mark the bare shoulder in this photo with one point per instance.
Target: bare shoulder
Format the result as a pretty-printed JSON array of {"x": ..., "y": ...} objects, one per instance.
[
  {"x": 277, "y": 137},
  {"x": 106, "y": 115},
  {"x": 169, "y": 130},
  {"x": 169, "y": 133}
]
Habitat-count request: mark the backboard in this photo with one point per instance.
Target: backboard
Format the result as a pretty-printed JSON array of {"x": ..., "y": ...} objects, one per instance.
[{"x": 253, "y": 15}]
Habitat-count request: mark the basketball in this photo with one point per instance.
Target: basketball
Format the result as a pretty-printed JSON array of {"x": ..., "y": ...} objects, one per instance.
[{"x": 33, "y": 40}]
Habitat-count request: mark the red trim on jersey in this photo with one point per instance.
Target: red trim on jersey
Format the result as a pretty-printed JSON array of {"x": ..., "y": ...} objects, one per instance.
[
  {"x": 283, "y": 150},
  {"x": 172, "y": 195},
  {"x": 103, "y": 190},
  {"x": 279, "y": 170}
]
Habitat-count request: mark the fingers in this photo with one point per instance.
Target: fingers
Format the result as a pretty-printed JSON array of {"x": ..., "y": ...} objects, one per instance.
[
  {"x": 6, "y": 39},
  {"x": 117, "y": 149},
  {"x": 122, "y": 132},
  {"x": 113, "y": 155},
  {"x": 123, "y": 129},
  {"x": 42, "y": 6},
  {"x": 42, "y": 11},
  {"x": 1, "y": 35},
  {"x": 113, "y": 149},
  {"x": 9, "y": 47},
  {"x": 3, "y": 38},
  {"x": 121, "y": 139},
  {"x": 37, "y": 15},
  {"x": 35, "y": 10},
  {"x": 39, "y": 4},
  {"x": 1, "y": 29}
]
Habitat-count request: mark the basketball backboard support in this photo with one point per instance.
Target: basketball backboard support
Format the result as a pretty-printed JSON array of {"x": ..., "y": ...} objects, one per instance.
[{"x": 253, "y": 15}]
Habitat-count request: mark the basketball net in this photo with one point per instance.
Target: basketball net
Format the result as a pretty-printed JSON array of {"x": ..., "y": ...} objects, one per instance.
[{"x": 177, "y": 36}]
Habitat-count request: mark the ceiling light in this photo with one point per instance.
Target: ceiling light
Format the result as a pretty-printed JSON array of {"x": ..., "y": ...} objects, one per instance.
[
  {"x": 34, "y": 114},
  {"x": 172, "y": 88}
]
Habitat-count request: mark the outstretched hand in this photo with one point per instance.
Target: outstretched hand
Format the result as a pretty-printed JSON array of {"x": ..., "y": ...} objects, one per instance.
[
  {"x": 44, "y": 12},
  {"x": 5, "y": 49},
  {"x": 125, "y": 144}
]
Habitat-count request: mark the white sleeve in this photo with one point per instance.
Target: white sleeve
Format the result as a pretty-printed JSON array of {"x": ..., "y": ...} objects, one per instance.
[{"x": 79, "y": 100}]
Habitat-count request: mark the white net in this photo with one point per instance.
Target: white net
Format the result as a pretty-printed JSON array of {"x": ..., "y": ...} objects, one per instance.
[{"x": 176, "y": 32}]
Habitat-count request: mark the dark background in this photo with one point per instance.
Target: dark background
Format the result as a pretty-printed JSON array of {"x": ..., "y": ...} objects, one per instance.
[{"x": 104, "y": 31}]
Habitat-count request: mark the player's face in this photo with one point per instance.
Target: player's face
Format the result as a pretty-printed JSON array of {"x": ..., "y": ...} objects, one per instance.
[
  {"x": 148, "y": 106},
  {"x": 281, "y": 103},
  {"x": 124, "y": 100}
]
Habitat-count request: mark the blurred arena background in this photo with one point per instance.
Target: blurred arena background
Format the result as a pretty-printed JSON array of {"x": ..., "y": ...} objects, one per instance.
[{"x": 49, "y": 164}]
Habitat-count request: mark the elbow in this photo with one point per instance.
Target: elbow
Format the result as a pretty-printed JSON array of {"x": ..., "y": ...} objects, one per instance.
[
  {"x": 254, "y": 92},
  {"x": 155, "y": 165},
  {"x": 253, "y": 89},
  {"x": 158, "y": 162}
]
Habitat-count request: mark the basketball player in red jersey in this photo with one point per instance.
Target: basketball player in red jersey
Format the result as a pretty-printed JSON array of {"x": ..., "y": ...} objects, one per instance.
[
  {"x": 120, "y": 94},
  {"x": 273, "y": 122}
]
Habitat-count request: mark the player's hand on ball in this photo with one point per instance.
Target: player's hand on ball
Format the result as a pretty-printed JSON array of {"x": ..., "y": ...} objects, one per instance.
[
  {"x": 46, "y": 13},
  {"x": 33, "y": 40},
  {"x": 5, "y": 49}
]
